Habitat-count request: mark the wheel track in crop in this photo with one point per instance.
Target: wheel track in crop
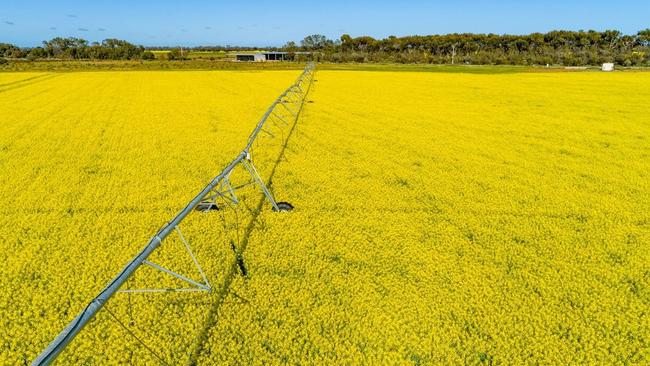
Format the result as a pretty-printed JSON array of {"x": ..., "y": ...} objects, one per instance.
[{"x": 25, "y": 82}]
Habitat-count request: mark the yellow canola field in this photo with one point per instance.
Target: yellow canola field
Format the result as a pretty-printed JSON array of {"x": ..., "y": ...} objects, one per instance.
[
  {"x": 92, "y": 164},
  {"x": 454, "y": 219},
  {"x": 440, "y": 218}
]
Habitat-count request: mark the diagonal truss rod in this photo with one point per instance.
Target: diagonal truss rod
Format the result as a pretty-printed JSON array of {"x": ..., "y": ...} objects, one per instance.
[
  {"x": 248, "y": 164},
  {"x": 49, "y": 354},
  {"x": 206, "y": 283},
  {"x": 177, "y": 275},
  {"x": 205, "y": 286}
]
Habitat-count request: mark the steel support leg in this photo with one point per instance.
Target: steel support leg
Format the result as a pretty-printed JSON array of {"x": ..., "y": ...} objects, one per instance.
[
  {"x": 228, "y": 187},
  {"x": 248, "y": 164}
]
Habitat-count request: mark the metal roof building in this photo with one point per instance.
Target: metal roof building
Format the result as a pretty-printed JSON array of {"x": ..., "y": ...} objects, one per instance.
[
  {"x": 262, "y": 56},
  {"x": 267, "y": 56}
]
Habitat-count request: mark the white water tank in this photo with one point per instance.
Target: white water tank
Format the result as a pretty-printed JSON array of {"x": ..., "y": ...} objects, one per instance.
[{"x": 608, "y": 66}]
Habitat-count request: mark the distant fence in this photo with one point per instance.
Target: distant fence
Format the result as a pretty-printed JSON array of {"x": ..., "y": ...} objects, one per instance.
[{"x": 290, "y": 102}]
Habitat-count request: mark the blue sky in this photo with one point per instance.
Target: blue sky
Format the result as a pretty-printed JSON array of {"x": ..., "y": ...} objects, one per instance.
[{"x": 272, "y": 23}]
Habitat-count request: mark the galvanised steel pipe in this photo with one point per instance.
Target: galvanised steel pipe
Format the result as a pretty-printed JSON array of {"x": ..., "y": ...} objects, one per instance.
[{"x": 256, "y": 131}]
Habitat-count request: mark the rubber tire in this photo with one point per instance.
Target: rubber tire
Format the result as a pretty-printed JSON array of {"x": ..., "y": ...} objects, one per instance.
[
  {"x": 207, "y": 207},
  {"x": 283, "y": 207}
]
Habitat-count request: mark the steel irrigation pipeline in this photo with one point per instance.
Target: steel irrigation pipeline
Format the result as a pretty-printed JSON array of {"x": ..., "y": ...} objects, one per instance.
[{"x": 286, "y": 110}]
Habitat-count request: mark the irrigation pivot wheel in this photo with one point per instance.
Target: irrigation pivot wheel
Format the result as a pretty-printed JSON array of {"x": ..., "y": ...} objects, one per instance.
[
  {"x": 283, "y": 207},
  {"x": 207, "y": 206}
]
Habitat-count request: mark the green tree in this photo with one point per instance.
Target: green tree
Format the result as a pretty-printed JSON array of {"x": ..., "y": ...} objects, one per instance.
[
  {"x": 316, "y": 42},
  {"x": 10, "y": 51},
  {"x": 290, "y": 46},
  {"x": 644, "y": 37}
]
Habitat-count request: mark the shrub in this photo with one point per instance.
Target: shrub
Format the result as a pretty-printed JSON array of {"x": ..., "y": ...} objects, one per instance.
[{"x": 148, "y": 55}]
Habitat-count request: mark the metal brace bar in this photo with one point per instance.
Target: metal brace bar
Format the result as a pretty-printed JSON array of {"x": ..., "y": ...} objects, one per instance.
[
  {"x": 277, "y": 121},
  {"x": 196, "y": 262},
  {"x": 267, "y": 132},
  {"x": 287, "y": 108},
  {"x": 296, "y": 94},
  {"x": 213, "y": 198},
  {"x": 280, "y": 118},
  {"x": 179, "y": 276},
  {"x": 225, "y": 184},
  {"x": 248, "y": 164},
  {"x": 152, "y": 290},
  {"x": 278, "y": 124},
  {"x": 234, "y": 198},
  {"x": 243, "y": 185},
  {"x": 295, "y": 98}
]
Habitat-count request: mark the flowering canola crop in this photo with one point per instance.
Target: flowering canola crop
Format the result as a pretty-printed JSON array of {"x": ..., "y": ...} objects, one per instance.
[{"x": 440, "y": 218}]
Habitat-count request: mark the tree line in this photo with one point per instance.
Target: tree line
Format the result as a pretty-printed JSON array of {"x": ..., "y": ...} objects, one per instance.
[
  {"x": 72, "y": 48},
  {"x": 568, "y": 48}
]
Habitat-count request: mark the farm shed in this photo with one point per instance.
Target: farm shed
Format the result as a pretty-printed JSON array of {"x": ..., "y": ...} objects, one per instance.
[
  {"x": 267, "y": 56},
  {"x": 262, "y": 56}
]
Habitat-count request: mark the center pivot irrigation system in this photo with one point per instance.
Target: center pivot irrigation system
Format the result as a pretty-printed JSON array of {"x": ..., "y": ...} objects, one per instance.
[{"x": 284, "y": 110}]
